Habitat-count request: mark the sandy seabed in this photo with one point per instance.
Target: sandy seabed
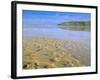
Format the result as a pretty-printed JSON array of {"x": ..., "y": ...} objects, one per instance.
[{"x": 40, "y": 52}]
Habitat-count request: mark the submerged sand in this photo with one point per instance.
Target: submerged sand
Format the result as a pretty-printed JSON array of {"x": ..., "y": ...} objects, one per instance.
[{"x": 39, "y": 52}]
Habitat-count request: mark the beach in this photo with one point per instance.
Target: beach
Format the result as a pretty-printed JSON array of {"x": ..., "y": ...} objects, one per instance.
[
  {"x": 55, "y": 39},
  {"x": 43, "y": 52}
]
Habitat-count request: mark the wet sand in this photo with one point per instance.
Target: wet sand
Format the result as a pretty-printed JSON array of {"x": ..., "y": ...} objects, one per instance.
[{"x": 40, "y": 52}]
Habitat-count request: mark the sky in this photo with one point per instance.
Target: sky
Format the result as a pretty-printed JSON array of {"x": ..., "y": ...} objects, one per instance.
[{"x": 31, "y": 17}]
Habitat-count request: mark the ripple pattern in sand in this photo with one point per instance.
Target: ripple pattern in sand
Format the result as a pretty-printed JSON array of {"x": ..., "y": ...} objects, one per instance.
[{"x": 52, "y": 53}]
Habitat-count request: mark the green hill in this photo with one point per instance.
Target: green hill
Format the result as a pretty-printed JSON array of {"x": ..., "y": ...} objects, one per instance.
[{"x": 76, "y": 25}]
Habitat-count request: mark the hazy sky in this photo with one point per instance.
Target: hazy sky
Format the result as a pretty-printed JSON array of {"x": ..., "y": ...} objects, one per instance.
[{"x": 46, "y": 17}]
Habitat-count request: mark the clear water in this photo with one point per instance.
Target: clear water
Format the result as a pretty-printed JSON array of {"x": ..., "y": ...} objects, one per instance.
[{"x": 55, "y": 32}]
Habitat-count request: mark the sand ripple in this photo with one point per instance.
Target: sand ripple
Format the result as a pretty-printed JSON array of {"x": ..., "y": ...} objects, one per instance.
[{"x": 51, "y": 53}]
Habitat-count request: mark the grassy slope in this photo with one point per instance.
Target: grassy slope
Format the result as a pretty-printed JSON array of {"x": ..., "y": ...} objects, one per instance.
[{"x": 76, "y": 25}]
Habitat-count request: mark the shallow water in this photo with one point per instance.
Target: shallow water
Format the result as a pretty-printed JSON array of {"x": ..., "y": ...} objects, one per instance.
[
  {"x": 58, "y": 33},
  {"x": 81, "y": 49}
]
